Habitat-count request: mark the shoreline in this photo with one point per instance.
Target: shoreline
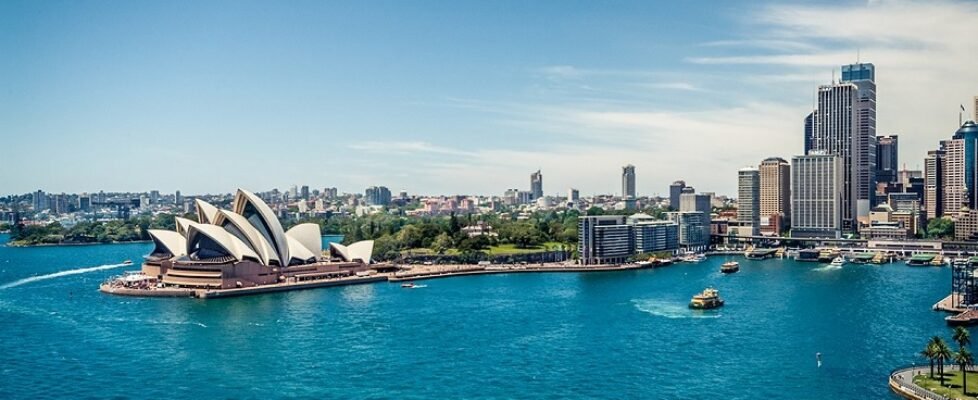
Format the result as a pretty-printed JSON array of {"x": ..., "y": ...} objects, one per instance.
[{"x": 12, "y": 244}]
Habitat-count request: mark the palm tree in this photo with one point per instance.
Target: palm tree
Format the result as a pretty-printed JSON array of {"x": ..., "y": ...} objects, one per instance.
[
  {"x": 943, "y": 353},
  {"x": 929, "y": 353},
  {"x": 963, "y": 358},
  {"x": 961, "y": 336}
]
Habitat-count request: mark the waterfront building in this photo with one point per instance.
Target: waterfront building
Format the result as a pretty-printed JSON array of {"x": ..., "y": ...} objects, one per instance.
[
  {"x": 628, "y": 182},
  {"x": 887, "y": 163},
  {"x": 377, "y": 196},
  {"x": 934, "y": 166},
  {"x": 604, "y": 239},
  {"x": 694, "y": 228},
  {"x": 775, "y": 195},
  {"x": 908, "y": 220},
  {"x": 962, "y": 171},
  {"x": 651, "y": 236},
  {"x": 966, "y": 224},
  {"x": 976, "y": 109},
  {"x": 690, "y": 201},
  {"x": 844, "y": 125},
  {"x": 245, "y": 247},
  {"x": 536, "y": 185},
  {"x": 749, "y": 201},
  {"x": 816, "y": 196},
  {"x": 675, "y": 190}
]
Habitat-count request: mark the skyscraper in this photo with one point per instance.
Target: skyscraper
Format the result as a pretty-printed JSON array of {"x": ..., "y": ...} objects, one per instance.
[
  {"x": 40, "y": 201},
  {"x": 934, "y": 166},
  {"x": 573, "y": 194},
  {"x": 845, "y": 125},
  {"x": 960, "y": 172},
  {"x": 809, "y": 131},
  {"x": 304, "y": 192},
  {"x": 976, "y": 109},
  {"x": 887, "y": 163},
  {"x": 817, "y": 187},
  {"x": 377, "y": 196},
  {"x": 749, "y": 201},
  {"x": 536, "y": 185},
  {"x": 775, "y": 194},
  {"x": 675, "y": 190},
  {"x": 691, "y": 202},
  {"x": 177, "y": 198},
  {"x": 628, "y": 182}
]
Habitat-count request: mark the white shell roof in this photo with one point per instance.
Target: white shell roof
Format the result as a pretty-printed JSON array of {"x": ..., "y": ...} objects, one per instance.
[
  {"x": 255, "y": 240},
  {"x": 234, "y": 246},
  {"x": 361, "y": 250},
  {"x": 277, "y": 235},
  {"x": 182, "y": 225},
  {"x": 308, "y": 234},
  {"x": 205, "y": 211},
  {"x": 172, "y": 241}
]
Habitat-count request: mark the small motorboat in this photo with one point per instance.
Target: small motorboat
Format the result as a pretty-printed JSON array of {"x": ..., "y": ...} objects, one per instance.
[
  {"x": 730, "y": 267},
  {"x": 127, "y": 262},
  {"x": 838, "y": 262},
  {"x": 409, "y": 285},
  {"x": 709, "y": 299}
]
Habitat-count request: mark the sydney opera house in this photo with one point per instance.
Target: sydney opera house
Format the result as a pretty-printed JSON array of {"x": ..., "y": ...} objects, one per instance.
[{"x": 246, "y": 247}]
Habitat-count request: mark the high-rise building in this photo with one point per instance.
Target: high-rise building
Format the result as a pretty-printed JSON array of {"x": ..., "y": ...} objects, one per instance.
[
  {"x": 604, "y": 239},
  {"x": 887, "y": 163},
  {"x": 809, "y": 131},
  {"x": 536, "y": 185},
  {"x": 154, "y": 197},
  {"x": 817, "y": 186},
  {"x": 976, "y": 109},
  {"x": 377, "y": 196},
  {"x": 84, "y": 202},
  {"x": 845, "y": 125},
  {"x": 961, "y": 173},
  {"x": 749, "y": 201},
  {"x": 675, "y": 189},
  {"x": 692, "y": 202},
  {"x": 177, "y": 198},
  {"x": 934, "y": 166},
  {"x": 304, "y": 192},
  {"x": 40, "y": 201},
  {"x": 573, "y": 195},
  {"x": 775, "y": 195},
  {"x": 628, "y": 182}
]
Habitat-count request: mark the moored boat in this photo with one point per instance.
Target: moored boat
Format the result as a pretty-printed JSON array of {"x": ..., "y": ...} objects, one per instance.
[
  {"x": 708, "y": 299},
  {"x": 730, "y": 267}
]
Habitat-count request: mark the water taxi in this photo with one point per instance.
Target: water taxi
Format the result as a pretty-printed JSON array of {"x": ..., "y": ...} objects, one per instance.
[
  {"x": 709, "y": 299},
  {"x": 127, "y": 262},
  {"x": 409, "y": 285},
  {"x": 730, "y": 267},
  {"x": 838, "y": 262}
]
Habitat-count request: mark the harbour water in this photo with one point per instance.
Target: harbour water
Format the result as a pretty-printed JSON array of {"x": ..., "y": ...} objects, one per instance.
[{"x": 594, "y": 335}]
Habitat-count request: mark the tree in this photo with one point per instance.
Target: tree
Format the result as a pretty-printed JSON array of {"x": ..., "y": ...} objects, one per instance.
[
  {"x": 963, "y": 358},
  {"x": 410, "y": 237},
  {"x": 386, "y": 248},
  {"x": 961, "y": 336},
  {"x": 441, "y": 243},
  {"x": 930, "y": 353},
  {"x": 940, "y": 228},
  {"x": 943, "y": 353},
  {"x": 473, "y": 244}
]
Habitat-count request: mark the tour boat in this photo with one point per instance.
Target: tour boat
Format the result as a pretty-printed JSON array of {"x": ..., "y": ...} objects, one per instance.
[
  {"x": 730, "y": 267},
  {"x": 710, "y": 298},
  {"x": 837, "y": 262}
]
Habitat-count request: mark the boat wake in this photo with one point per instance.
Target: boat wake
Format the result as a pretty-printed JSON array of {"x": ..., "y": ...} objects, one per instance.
[
  {"x": 671, "y": 310},
  {"x": 828, "y": 268},
  {"x": 59, "y": 274}
]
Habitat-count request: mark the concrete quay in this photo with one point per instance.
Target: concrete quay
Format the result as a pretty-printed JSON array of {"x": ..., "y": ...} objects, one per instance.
[{"x": 447, "y": 271}]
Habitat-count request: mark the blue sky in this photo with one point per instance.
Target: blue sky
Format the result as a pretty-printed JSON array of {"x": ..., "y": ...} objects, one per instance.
[{"x": 451, "y": 97}]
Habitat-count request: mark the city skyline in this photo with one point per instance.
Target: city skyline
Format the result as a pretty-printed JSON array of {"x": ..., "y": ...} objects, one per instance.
[{"x": 151, "y": 82}]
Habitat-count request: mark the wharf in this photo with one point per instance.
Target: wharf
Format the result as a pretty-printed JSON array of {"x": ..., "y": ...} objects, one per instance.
[
  {"x": 446, "y": 271},
  {"x": 218, "y": 293},
  {"x": 761, "y": 254},
  {"x": 921, "y": 259}
]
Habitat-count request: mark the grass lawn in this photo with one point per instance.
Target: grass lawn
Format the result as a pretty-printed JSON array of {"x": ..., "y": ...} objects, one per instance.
[
  {"x": 504, "y": 249},
  {"x": 952, "y": 382}
]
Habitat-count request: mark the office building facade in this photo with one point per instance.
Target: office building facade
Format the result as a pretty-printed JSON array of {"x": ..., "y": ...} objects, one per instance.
[
  {"x": 817, "y": 190},
  {"x": 749, "y": 201},
  {"x": 675, "y": 190},
  {"x": 775, "y": 195},
  {"x": 536, "y": 185},
  {"x": 628, "y": 182}
]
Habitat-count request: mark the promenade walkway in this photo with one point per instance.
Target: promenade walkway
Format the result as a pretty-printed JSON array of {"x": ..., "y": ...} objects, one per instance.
[{"x": 901, "y": 383}]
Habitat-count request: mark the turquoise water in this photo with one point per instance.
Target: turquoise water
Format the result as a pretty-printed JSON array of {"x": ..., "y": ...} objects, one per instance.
[{"x": 540, "y": 336}]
